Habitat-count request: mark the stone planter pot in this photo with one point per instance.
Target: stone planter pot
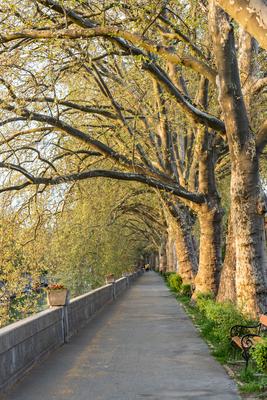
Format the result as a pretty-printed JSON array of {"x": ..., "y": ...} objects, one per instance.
[
  {"x": 57, "y": 297},
  {"x": 110, "y": 278}
]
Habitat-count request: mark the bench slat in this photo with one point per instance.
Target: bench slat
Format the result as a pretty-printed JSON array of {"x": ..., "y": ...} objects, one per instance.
[
  {"x": 256, "y": 339},
  {"x": 237, "y": 341},
  {"x": 263, "y": 319}
]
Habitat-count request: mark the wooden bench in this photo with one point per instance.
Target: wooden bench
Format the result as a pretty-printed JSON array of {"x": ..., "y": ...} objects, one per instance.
[{"x": 245, "y": 337}]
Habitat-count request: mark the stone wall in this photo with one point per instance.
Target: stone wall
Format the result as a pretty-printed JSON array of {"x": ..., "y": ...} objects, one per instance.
[
  {"x": 119, "y": 286},
  {"x": 131, "y": 277},
  {"x": 79, "y": 311},
  {"x": 25, "y": 342}
]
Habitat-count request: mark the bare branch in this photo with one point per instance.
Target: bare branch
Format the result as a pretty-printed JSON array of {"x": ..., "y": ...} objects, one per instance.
[
  {"x": 71, "y": 104},
  {"x": 111, "y": 32},
  {"x": 171, "y": 188},
  {"x": 259, "y": 85}
]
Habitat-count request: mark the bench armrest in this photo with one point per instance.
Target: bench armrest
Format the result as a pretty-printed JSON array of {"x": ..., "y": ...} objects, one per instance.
[
  {"x": 247, "y": 342},
  {"x": 241, "y": 330}
]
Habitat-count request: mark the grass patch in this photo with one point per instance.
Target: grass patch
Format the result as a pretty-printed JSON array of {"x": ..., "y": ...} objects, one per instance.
[{"x": 251, "y": 387}]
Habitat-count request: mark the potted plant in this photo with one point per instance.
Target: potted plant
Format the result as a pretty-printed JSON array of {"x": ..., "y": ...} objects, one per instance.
[
  {"x": 110, "y": 278},
  {"x": 56, "y": 295}
]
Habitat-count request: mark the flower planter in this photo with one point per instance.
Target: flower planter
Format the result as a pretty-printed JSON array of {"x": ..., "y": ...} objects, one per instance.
[
  {"x": 110, "y": 279},
  {"x": 57, "y": 297}
]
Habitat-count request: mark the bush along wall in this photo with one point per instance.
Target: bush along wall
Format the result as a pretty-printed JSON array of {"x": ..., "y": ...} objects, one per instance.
[{"x": 214, "y": 321}]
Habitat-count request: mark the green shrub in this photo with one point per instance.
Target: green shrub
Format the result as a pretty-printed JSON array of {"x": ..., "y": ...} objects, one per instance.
[
  {"x": 202, "y": 300},
  {"x": 259, "y": 355},
  {"x": 222, "y": 315},
  {"x": 175, "y": 282},
  {"x": 166, "y": 275},
  {"x": 186, "y": 290}
]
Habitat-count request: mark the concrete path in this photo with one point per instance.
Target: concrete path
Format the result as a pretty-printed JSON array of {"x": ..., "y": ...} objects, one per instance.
[{"x": 143, "y": 347}]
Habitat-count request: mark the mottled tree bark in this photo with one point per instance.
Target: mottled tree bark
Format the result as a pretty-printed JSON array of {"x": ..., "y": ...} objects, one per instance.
[
  {"x": 163, "y": 255},
  {"x": 156, "y": 261},
  {"x": 247, "y": 48},
  {"x": 210, "y": 213},
  {"x": 246, "y": 193},
  {"x": 251, "y": 15},
  {"x": 227, "y": 286},
  {"x": 186, "y": 253},
  {"x": 171, "y": 267},
  {"x": 207, "y": 278},
  {"x": 248, "y": 222}
]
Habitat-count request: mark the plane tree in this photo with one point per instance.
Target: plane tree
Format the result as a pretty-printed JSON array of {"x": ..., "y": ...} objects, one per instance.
[{"x": 175, "y": 110}]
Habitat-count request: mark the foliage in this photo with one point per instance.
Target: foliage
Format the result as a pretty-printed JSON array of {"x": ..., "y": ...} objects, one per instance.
[
  {"x": 175, "y": 282},
  {"x": 76, "y": 245},
  {"x": 97, "y": 238},
  {"x": 259, "y": 354},
  {"x": 55, "y": 286},
  {"x": 221, "y": 316},
  {"x": 19, "y": 275},
  {"x": 186, "y": 290}
]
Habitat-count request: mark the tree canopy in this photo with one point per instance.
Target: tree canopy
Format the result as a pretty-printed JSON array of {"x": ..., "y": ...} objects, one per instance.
[{"x": 169, "y": 96}]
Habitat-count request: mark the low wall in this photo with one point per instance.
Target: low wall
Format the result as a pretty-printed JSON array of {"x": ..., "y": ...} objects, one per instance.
[
  {"x": 133, "y": 276},
  {"x": 25, "y": 342},
  {"x": 79, "y": 311},
  {"x": 120, "y": 285}
]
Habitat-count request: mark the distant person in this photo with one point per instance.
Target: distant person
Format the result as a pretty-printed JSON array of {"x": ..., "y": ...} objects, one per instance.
[{"x": 147, "y": 267}]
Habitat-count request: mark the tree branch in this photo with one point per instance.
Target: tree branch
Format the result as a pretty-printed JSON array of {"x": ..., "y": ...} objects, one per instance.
[
  {"x": 86, "y": 109},
  {"x": 150, "y": 66},
  {"x": 111, "y": 32},
  {"x": 198, "y": 116},
  {"x": 259, "y": 85},
  {"x": 251, "y": 15},
  {"x": 86, "y": 138},
  {"x": 170, "y": 188}
]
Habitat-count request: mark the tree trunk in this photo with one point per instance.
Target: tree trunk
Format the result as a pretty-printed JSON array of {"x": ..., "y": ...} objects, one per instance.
[
  {"x": 169, "y": 248},
  {"x": 163, "y": 255},
  {"x": 251, "y": 15},
  {"x": 187, "y": 262},
  {"x": 157, "y": 262},
  {"x": 207, "y": 278},
  {"x": 227, "y": 287},
  {"x": 247, "y": 202},
  {"x": 209, "y": 214},
  {"x": 174, "y": 252},
  {"x": 170, "y": 258},
  {"x": 251, "y": 263},
  {"x": 186, "y": 254}
]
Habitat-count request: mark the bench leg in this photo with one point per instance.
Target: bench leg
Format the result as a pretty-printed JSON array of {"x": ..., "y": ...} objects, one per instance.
[
  {"x": 245, "y": 355},
  {"x": 236, "y": 350}
]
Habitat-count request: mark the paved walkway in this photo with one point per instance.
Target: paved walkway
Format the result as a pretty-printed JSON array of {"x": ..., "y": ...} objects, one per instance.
[{"x": 143, "y": 347}]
